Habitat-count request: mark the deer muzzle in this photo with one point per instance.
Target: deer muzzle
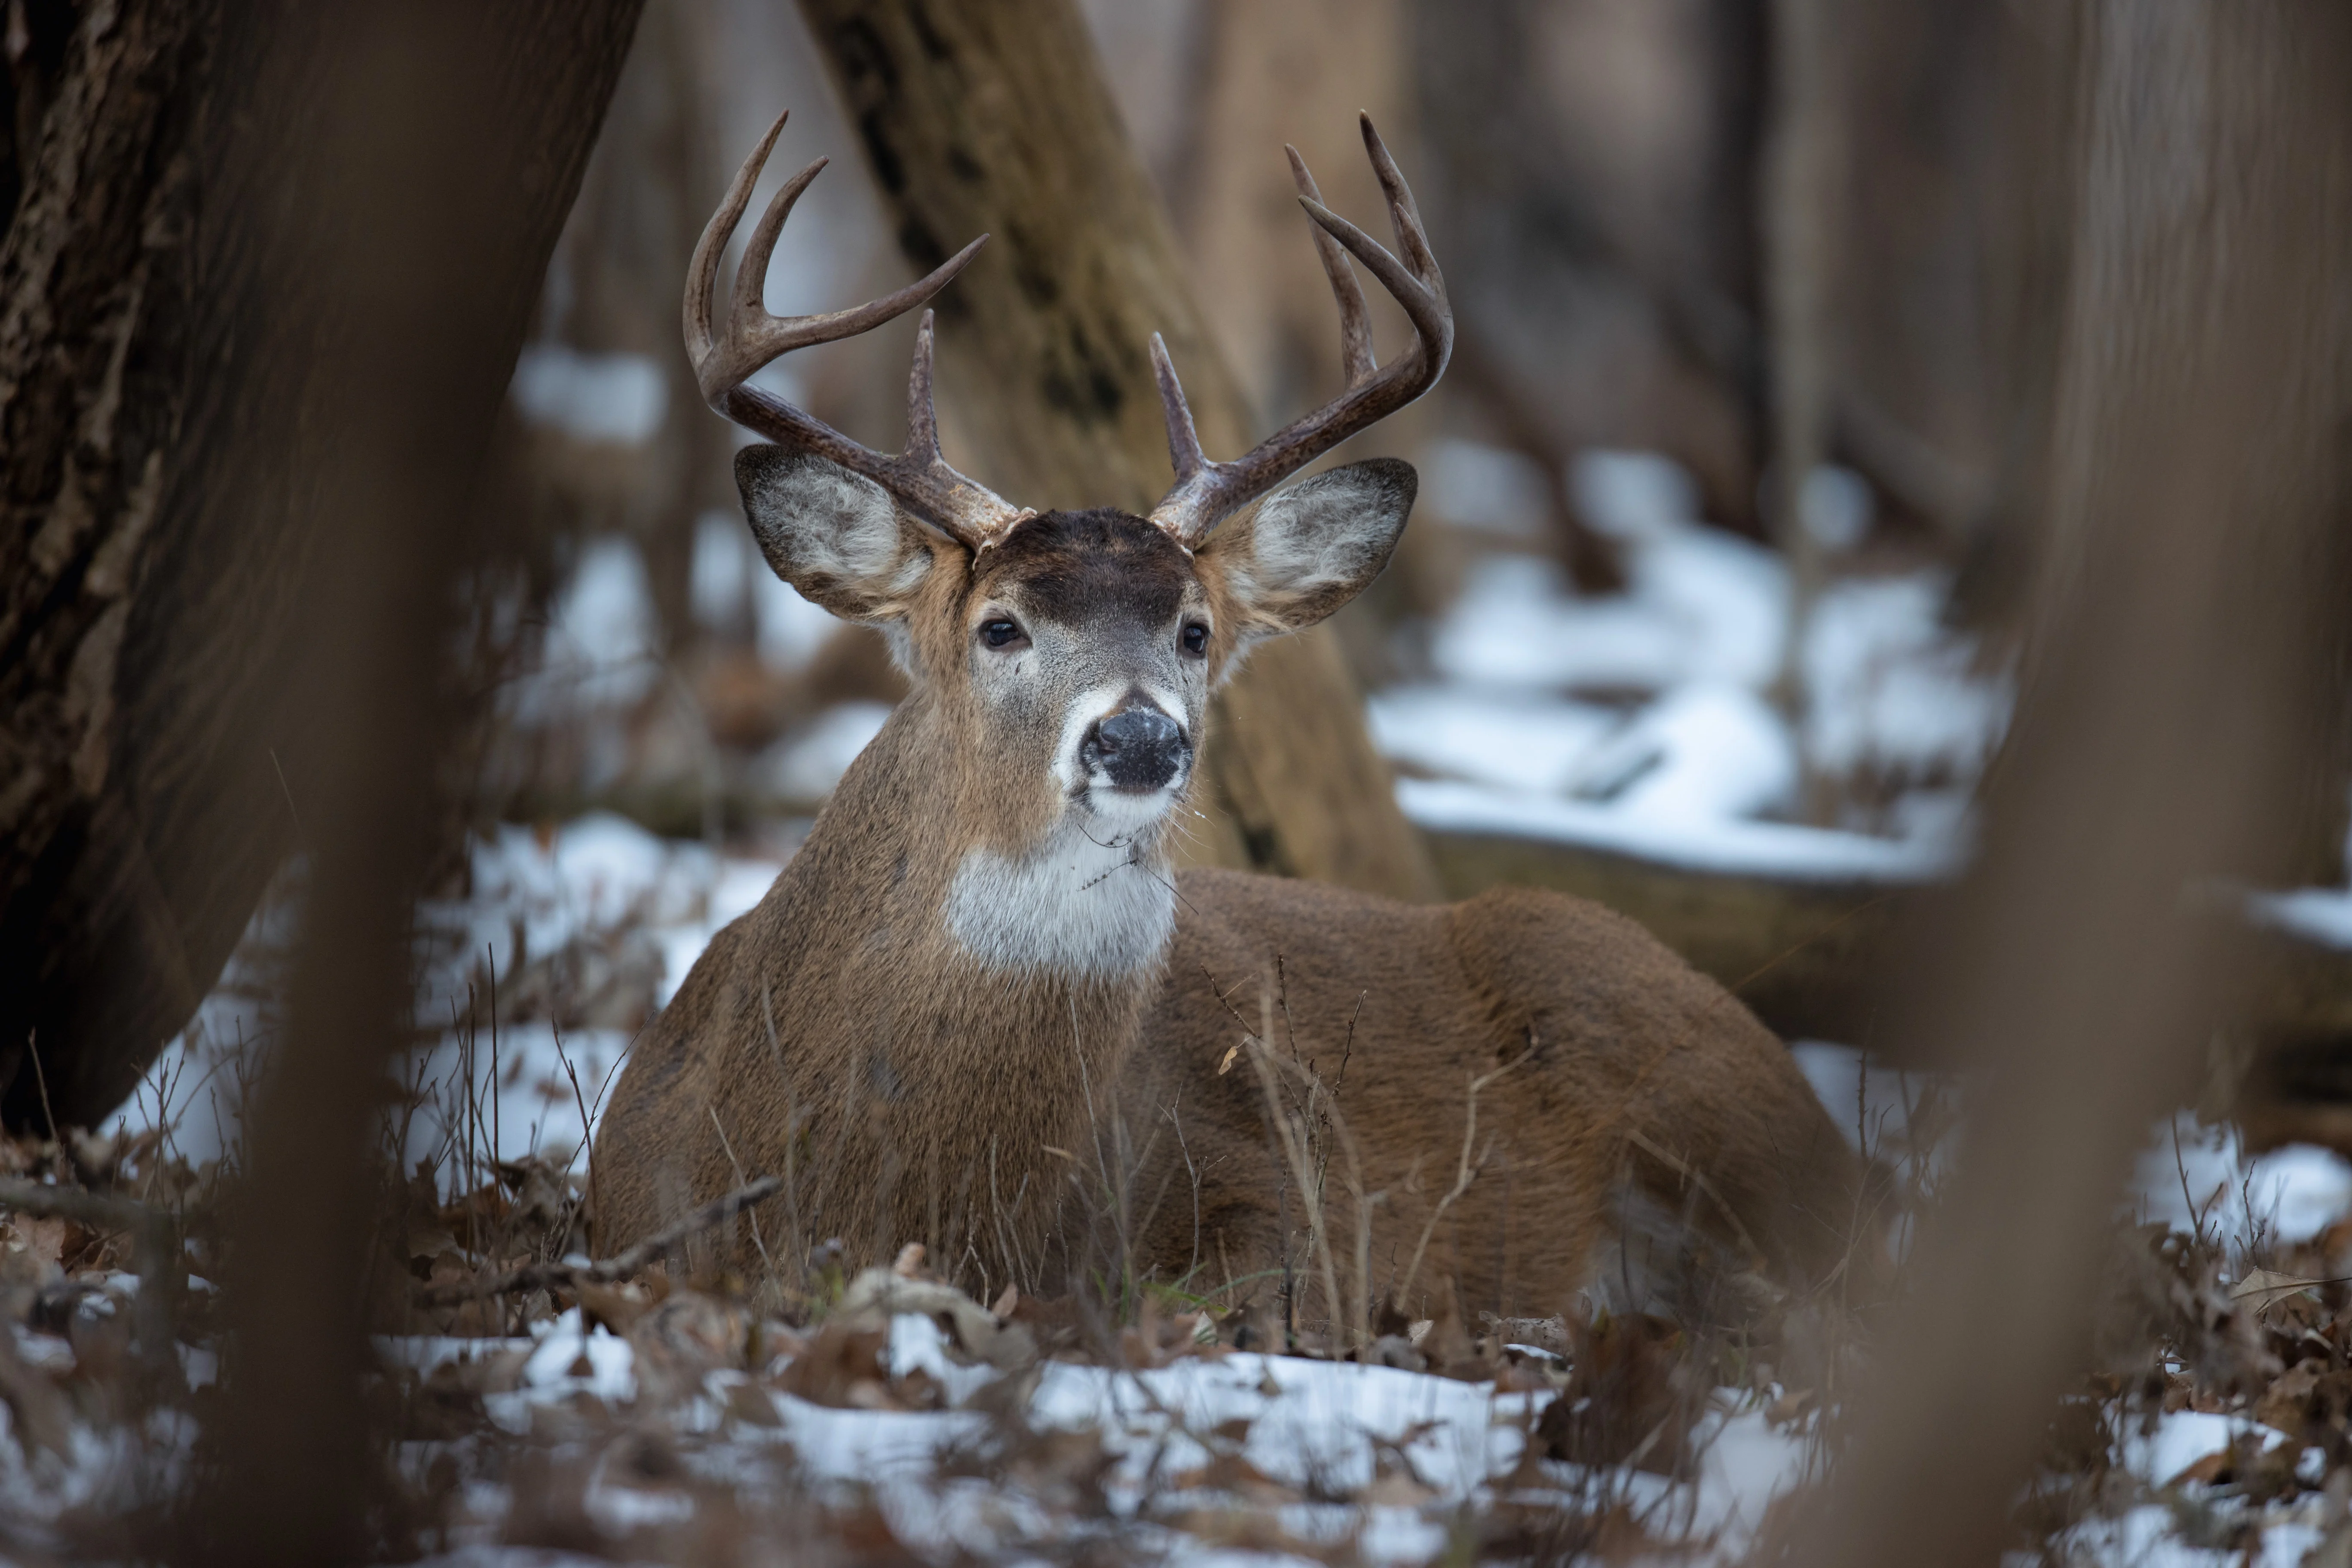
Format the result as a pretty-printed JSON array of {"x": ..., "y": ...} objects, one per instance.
[{"x": 1140, "y": 750}]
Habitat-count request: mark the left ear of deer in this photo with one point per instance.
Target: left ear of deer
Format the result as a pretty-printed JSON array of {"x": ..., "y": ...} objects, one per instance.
[
  {"x": 1313, "y": 547},
  {"x": 833, "y": 535}
]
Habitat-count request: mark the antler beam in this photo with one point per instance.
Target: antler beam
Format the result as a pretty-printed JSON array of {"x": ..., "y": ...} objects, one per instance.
[
  {"x": 918, "y": 478},
  {"x": 1206, "y": 492}
]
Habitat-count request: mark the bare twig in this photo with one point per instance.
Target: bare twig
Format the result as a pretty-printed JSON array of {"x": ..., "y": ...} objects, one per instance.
[
  {"x": 2196, "y": 1214},
  {"x": 32, "y": 1050},
  {"x": 729, "y": 1151},
  {"x": 1465, "y": 1173},
  {"x": 571, "y": 1276},
  {"x": 92, "y": 1209},
  {"x": 1293, "y": 1130}
]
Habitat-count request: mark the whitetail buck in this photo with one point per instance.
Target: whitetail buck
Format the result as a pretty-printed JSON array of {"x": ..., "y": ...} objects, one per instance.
[{"x": 980, "y": 1010}]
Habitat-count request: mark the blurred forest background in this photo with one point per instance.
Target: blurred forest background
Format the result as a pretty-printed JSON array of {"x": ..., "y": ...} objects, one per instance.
[{"x": 1640, "y": 350}]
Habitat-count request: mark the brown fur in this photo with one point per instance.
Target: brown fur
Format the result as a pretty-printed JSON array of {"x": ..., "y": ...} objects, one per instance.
[{"x": 839, "y": 1033}]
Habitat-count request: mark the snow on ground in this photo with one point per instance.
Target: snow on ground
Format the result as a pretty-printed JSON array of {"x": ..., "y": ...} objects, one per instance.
[
  {"x": 2289, "y": 1193},
  {"x": 1316, "y": 1429},
  {"x": 1639, "y": 723},
  {"x": 599, "y": 914}
]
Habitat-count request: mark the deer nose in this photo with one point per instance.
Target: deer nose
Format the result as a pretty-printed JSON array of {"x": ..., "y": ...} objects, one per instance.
[{"x": 1139, "y": 748}]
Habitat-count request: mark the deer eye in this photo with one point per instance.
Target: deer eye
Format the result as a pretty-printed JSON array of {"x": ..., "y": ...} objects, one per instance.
[
  {"x": 999, "y": 633},
  {"x": 1195, "y": 640}
]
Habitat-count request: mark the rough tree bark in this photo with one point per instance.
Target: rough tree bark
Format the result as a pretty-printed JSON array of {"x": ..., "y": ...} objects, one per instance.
[
  {"x": 994, "y": 117},
  {"x": 172, "y": 381}
]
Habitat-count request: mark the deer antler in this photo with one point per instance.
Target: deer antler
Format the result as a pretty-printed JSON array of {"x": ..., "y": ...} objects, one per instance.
[
  {"x": 917, "y": 477},
  {"x": 1206, "y": 492}
]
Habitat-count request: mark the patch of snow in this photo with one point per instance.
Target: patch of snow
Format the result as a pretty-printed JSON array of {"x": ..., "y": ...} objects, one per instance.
[
  {"x": 1888, "y": 685},
  {"x": 1707, "y": 755},
  {"x": 2147, "y": 1536},
  {"x": 792, "y": 629},
  {"x": 1700, "y": 604},
  {"x": 2182, "y": 1439},
  {"x": 1837, "y": 506},
  {"x": 616, "y": 398},
  {"x": 2286, "y": 1194},
  {"x": 720, "y": 586},
  {"x": 592, "y": 879},
  {"x": 1875, "y": 1105},
  {"x": 1514, "y": 740},
  {"x": 1774, "y": 849},
  {"x": 1631, "y": 495},
  {"x": 1475, "y": 486},
  {"x": 611, "y": 1373},
  {"x": 601, "y": 643},
  {"x": 2290, "y": 1193},
  {"x": 805, "y": 764},
  {"x": 1686, "y": 654},
  {"x": 2323, "y": 915}
]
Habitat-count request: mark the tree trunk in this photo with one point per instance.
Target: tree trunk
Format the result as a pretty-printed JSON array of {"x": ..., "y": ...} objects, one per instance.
[
  {"x": 994, "y": 117},
  {"x": 2192, "y": 649},
  {"x": 175, "y": 379}
]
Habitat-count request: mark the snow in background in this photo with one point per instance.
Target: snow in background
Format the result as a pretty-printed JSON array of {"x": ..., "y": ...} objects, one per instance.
[
  {"x": 617, "y": 398},
  {"x": 1641, "y": 722}
]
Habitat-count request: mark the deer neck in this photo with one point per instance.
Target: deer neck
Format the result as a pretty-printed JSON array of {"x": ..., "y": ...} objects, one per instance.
[
  {"x": 960, "y": 1014},
  {"x": 905, "y": 863}
]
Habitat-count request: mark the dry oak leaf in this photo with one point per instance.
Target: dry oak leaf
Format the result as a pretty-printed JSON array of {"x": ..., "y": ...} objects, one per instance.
[{"x": 2266, "y": 1288}]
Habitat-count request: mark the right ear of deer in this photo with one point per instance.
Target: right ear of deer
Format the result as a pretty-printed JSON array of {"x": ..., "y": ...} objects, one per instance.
[
  {"x": 918, "y": 478},
  {"x": 1205, "y": 493}
]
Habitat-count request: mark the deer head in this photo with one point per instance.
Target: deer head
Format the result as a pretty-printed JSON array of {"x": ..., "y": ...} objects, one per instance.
[{"x": 1061, "y": 662}]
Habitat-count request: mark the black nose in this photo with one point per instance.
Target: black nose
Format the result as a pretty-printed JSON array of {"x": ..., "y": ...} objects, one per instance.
[{"x": 1139, "y": 748}]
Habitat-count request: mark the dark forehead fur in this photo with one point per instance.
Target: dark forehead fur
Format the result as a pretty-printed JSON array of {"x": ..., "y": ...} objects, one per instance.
[{"x": 1082, "y": 565}]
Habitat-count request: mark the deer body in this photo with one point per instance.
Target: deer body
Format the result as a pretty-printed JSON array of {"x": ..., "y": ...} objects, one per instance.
[{"x": 979, "y": 1009}]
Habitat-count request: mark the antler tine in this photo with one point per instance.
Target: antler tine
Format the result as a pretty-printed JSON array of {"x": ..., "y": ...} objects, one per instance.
[
  {"x": 1404, "y": 214},
  {"x": 1431, "y": 318},
  {"x": 1184, "y": 454},
  {"x": 1206, "y": 492},
  {"x": 1355, "y": 321},
  {"x": 749, "y": 301},
  {"x": 702, "y": 271},
  {"x": 919, "y": 478},
  {"x": 922, "y": 415}
]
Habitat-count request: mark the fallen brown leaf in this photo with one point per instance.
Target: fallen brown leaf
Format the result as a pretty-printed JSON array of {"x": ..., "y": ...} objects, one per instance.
[
  {"x": 2264, "y": 1289},
  {"x": 839, "y": 1362}
]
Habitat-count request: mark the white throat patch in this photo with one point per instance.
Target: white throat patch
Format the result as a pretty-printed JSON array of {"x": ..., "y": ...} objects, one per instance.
[{"x": 1075, "y": 905}]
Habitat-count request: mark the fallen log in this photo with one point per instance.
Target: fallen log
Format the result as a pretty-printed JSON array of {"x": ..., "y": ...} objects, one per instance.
[{"x": 1813, "y": 957}]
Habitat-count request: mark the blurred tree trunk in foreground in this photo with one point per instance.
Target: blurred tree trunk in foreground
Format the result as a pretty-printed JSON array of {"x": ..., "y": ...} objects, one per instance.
[
  {"x": 419, "y": 159},
  {"x": 172, "y": 381},
  {"x": 994, "y": 117},
  {"x": 2190, "y": 650}
]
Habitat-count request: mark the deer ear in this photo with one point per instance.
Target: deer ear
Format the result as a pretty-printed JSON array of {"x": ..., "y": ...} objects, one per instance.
[
  {"x": 1312, "y": 548},
  {"x": 833, "y": 535}
]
